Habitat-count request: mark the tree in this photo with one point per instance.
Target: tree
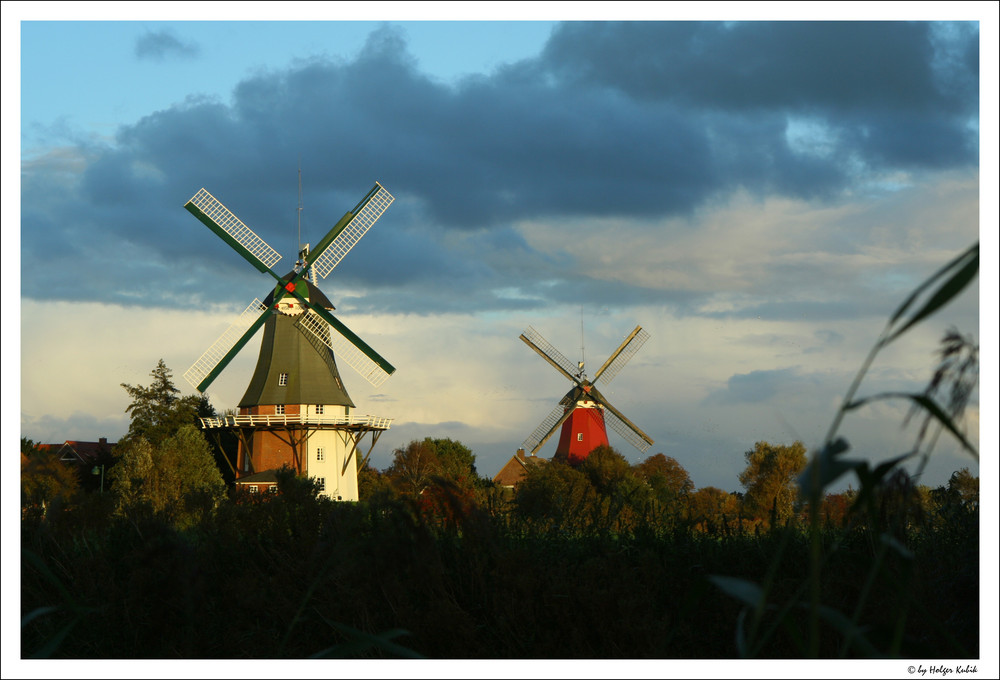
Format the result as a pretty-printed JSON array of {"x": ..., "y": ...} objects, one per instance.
[
  {"x": 965, "y": 487},
  {"x": 157, "y": 411},
  {"x": 606, "y": 469},
  {"x": 455, "y": 461},
  {"x": 553, "y": 496},
  {"x": 413, "y": 466},
  {"x": 668, "y": 478},
  {"x": 177, "y": 478},
  {"x": 622, "y": 495},
  {"x": 46, "y": 481},
  {"x": 770, "y": 480},
  {"x": 669, "y": 484},
  {"x": 711, "y": 509},
  {"x": 131, "y": 474}
]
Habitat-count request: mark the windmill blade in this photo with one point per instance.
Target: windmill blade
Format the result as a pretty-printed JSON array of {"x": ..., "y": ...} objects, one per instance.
[
  {"x": 616, "y": 362},
  {"x": 622, "y": 425},
  {"x": 210, "y": 364},
  {"x": 345, "y": 344},
  {"x": 349, "y": 230},
  {"x": 535, "y": 341},
  {"x": 546, "y": 429},
  {"x": 230, "y": 229}
]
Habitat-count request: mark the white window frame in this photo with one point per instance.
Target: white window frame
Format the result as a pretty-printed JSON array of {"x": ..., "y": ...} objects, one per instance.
[
  {"x": 319, "y": 409},
  {"x": 279, "y": 409},
  {"x": 282, "y": 379},
  {"x": 579, "y": 436},
  {"x": 253, "y": 488},
  {"x": 320, "y": 455},
  {"x": 321, "y": 482}
]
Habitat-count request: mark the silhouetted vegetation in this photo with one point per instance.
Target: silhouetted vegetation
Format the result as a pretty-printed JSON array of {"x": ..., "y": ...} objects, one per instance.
[{"x": 293, "y": 575}]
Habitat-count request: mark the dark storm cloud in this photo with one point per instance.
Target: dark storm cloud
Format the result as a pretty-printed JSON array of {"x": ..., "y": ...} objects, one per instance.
[
  {"x": 642, "y": 120},
  {"x": 787, "y": 65},
  {"x": 758, "y": 387},
  {"x": 915, "y": 83},
  {"x": 161, "y": 45}
]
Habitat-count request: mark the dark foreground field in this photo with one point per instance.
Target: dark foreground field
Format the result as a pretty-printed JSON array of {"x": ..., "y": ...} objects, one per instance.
[{"x": 296, "y": 578}]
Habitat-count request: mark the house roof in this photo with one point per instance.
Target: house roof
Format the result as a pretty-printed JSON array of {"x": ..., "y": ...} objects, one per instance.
[
  {"x": 77, "y": 451},
  {"x": 516, "y": 468},
  {"x": 265, "y": 477}
]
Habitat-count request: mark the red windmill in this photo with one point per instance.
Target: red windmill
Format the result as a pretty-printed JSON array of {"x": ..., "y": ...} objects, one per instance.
[{"x": 584, "y": 412}]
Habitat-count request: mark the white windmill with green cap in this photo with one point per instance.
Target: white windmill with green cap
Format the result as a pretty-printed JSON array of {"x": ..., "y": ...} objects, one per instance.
[{"x": 296, "y": 410}]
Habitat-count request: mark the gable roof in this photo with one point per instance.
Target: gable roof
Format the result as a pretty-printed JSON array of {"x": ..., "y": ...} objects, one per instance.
[
  {"x": 79, "y": 452},
  {"x": 516, "y": 468}
]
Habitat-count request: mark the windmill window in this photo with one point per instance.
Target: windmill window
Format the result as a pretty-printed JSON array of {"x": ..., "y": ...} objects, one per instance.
[
  {"x": 282, "y": 379},
  {"x": 319, "y": 409},
  {"x": 321, "y": 483},
  {"x": 253, "y": 488},
  {"x": 579, "y": 436},
  {"x": 319, "y": 453},
  {"x": 279, "y": 409}
]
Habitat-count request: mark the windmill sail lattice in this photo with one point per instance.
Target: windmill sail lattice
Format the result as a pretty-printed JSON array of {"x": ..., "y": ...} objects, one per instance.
[
  {"x": 214, "y": 355},
  {"x": 231, "y": 229},
  {"x": 343, "y": 348},
  {"x": 376, "y": 204},
  {"x": 616, "y": 362}
]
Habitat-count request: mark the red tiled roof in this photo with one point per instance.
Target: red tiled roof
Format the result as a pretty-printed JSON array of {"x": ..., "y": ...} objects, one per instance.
[
  {"x": 84, "y": 452},
  {"x": 516, "y": 468}
]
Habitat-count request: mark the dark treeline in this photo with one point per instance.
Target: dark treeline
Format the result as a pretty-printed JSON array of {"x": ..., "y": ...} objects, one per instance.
[{"x": 606, "y": 560}]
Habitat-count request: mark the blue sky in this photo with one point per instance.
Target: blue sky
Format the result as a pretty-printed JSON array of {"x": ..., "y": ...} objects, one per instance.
[{"x": 758, "y": 196}]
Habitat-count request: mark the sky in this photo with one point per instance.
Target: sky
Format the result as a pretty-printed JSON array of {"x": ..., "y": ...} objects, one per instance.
[{"x": 759, "y": 196}]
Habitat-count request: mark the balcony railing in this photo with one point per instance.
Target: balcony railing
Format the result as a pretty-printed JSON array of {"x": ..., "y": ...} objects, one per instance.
[{"x": 361, "y": 422}]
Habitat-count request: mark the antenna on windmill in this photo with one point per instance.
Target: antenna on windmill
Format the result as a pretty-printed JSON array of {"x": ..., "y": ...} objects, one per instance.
[
  {"x": 303, "y": 249},
  {"x": 298, "y": 211}
]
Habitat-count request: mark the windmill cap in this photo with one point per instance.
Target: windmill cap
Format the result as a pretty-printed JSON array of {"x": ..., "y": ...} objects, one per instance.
[{"x": 316, "y": 296}]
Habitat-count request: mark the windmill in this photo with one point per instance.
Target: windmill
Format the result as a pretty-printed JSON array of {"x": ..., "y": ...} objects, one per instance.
[
  {"x": 584, "y": 412},
  {"x": 296, "y": 410}
]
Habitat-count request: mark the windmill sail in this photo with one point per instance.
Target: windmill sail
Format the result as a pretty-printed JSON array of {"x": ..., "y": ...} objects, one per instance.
[
  {"x": 626, "y": 429},
  {"x": 616, "y": 362},
  {"x": 535, "y": 341},
  {"x": 210, "y": 364},
  {"x": 231, "y": 229},
  {"x": 344, "y": 236},
  {"x": 346, "y": 345}
]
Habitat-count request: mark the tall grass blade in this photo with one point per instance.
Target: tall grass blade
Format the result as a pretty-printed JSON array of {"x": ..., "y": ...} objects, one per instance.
[
  {"x": 928, "y": 405},
  {"x": 968, "y": 266}
]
